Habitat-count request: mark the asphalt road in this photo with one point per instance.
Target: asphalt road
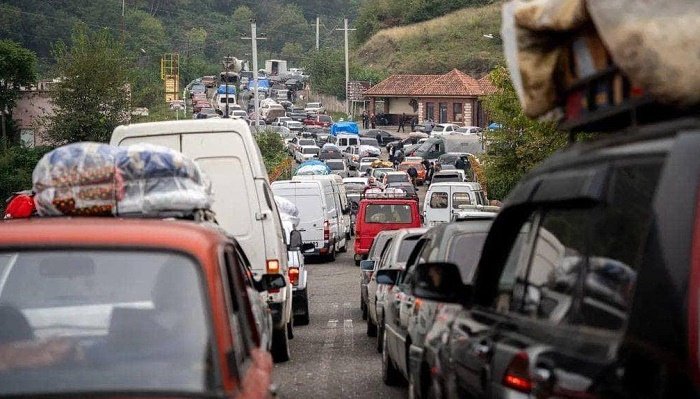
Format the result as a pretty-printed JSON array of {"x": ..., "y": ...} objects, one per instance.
[{"x": 333, "y": 357}]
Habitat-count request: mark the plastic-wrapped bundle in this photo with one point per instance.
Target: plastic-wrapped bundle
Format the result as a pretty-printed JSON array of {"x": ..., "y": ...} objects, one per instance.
[
  {"x": 159, "y": 179},
  {"x": 369, "y": 151},
  {"x": 313, "y": 168},
  {"x": 288, "y": 211},
  {"x": 90, "y": 179},
  {"x": 77, "y": 179}
]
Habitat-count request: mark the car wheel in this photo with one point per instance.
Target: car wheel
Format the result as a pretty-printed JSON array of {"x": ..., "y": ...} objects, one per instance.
[
  {"x": 303, "y": 319},
  {"x": 371, "y": 328},
  {"x": 364, "y": 309},
  {"x": 331, "y": 255},
  {"x": 357, "y": 262},
  {"x": 435, "y": 391},
  {"x": 380, "y": 338},
  {"x": 348, "y": 235},
  {"x": 290, "y": 330},
  {"x": 280, "y": 345},
  {"x": 390, "y": 375},
  {"x": 344, "y": 248}
]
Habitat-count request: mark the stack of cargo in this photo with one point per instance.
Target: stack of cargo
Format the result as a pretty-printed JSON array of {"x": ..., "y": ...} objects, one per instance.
[{"x": 90, "y": 179}]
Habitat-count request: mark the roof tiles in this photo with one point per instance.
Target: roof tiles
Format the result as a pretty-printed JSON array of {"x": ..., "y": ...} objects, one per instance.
[{"x": 452, "y": 84}]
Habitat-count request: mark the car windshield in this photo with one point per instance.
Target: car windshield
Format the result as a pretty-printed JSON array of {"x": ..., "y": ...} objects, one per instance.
[
  {"x": 388, "y": 213},
  {"x": 313, "y": 105},
  {"x": 368, "y": 141},
  {"x": 325, "y": 118},
  {"x": 307, "y": 142},
  {"x": 93, "y": 320},
  {"x": 335, "y": 165},
  {"x": 309, "y": 150}
]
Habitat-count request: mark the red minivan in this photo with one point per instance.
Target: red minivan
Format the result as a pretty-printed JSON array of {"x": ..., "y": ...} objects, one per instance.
[{"x": 380, "y": 214}]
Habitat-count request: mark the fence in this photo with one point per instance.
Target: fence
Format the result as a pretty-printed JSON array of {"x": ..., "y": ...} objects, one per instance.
[
  {"x": 281, "y": 170},
  {"x": 331, "y": 103}
]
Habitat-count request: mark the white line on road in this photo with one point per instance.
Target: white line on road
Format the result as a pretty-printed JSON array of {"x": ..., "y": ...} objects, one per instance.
[{"x": 331, "y": 331}]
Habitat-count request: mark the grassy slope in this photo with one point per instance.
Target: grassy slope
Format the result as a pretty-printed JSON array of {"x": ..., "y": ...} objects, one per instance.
[{"x": 439, "y": 45}]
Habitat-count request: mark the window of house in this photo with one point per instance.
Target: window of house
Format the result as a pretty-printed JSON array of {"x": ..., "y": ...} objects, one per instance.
[
  {"x": 430, "y": 110},
  {"x": 443, "y": 112},
  {"x": 458, "y": 112}
]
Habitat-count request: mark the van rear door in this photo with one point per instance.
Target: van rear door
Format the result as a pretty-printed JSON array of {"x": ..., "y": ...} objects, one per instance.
[
  {"x": 437, "y": 206},
  {"x": 307, "y": 198}
]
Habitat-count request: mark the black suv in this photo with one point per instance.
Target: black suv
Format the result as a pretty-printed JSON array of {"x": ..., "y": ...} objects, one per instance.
[{"x": 589, "y": 281}]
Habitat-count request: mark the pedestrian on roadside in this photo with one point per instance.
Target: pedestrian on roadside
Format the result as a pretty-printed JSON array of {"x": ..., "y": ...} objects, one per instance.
[
  {"x": 365, "y": 119},
  {"x": 430, "y": 171},
  {"x": 402, "y": 122},
  {"x": 460, "y": 164},
  {"x": 373, "y": 121},
  {"x": 412, "y": 173},
  {"x": 413, "y": 123}
]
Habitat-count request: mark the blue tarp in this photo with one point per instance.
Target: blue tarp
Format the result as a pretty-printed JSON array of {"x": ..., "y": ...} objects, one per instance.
[
  {"x": 344, "y": 127},
  {"x": 495, "y": 126},
  {"x": 222, "y": 89},
  {"x": 313, "y": 167},
  {"x": 262, "y": 84}
]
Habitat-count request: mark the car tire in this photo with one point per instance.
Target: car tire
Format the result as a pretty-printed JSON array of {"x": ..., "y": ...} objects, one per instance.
[
  {"x": 357, "y": 262},
  {"x": 290, "y": 330},
  {"x": 303, "y": 319},
  {"x": 380, "y": 338},
  {"x": 344, "y": 248},
  {"x": 348, "y": 236},
  {"x": 364, "y": 309},
  {"x": 331, "y": 256},
  {"x": 390, "y": 375},
  {"x": 280, "y": 345},
  {"x": 371, "y": 328}
]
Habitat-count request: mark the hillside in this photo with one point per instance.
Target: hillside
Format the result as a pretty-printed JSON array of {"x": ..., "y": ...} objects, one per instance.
[{"x": 436, "y": 46}]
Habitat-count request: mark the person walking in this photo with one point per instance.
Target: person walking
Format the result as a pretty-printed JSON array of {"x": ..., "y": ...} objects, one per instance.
[
  {"x": 365, "y": 120},
  {"x": 414, "y": 120},
  {"x": 402, "y": 122},
  {"x": 412, "y": 173},
  {"x": 373, "y": 121}
]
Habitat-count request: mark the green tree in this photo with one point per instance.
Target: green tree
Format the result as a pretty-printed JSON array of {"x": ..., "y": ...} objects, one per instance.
[
  {"x": 521, "y": 142},
  {"x": 17, "y": 68},
  {"x": 16, "y": 167},
  {"x": 93, "y": 95},
  {"x": 293, "y": 52}
]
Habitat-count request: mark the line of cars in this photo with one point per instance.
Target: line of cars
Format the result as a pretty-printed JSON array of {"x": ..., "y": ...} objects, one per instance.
[{"x": 581, "y": 286}]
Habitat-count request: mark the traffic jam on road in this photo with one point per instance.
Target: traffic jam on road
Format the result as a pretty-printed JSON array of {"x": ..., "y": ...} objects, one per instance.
[{"x": 167, "y": 263}]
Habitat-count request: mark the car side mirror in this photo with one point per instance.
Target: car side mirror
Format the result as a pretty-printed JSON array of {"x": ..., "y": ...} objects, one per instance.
[
  {"x": 294, "y": 240},
  {"x": 441, "y": 282},
  {"x": 270, "y": 282},
  {"x": 387, "y": 276},
  {"x": 367, "y": 265}
]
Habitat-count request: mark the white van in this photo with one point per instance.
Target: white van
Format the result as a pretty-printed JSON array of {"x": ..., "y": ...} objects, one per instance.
[
  {"x": 344, "y": 208},
  {"x": 445, "y": 199},
  {"x": 243, "y": 202},
  {"x": 220, "y": 102},
  {"x": 344, "y": 141},
  {"x": 318, "y": 214}
]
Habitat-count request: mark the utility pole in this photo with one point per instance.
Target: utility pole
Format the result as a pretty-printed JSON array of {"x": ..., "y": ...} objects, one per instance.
[
  {"x": 347, "y": 66},
  {"x": 318, "y": 22},
  {"x": 123, "y": 25},
  {"x": 254, "y": 39}
]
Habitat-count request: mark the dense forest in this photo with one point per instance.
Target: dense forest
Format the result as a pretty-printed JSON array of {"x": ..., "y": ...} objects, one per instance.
[{"x": 204, "y": 29}]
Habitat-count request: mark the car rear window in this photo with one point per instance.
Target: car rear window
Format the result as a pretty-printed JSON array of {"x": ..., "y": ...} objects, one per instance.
[
  {"x": 388, "y": 213},
  {"x": 125, "y": 320},
  {"x": 369, "y": 141},
  {"x": 325, "y": 118},
  {"x": 446, "y": 178},
  {"x": 307, "y": 142},
  {"x": 335, "y": 165},
  {"x": 309, "y": 150}
]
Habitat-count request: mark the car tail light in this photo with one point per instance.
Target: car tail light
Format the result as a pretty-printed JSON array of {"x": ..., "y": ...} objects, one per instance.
[
  {"x": 694, "y": 297},
  {"x": 294, "y": 275},
  {"x": 517, "y": 375},
  {"x": 326, "y": 231},
  {"x": 273, "y": 266}
]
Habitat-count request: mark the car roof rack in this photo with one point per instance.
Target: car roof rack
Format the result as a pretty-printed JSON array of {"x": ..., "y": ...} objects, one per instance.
[{"x": 607, "y": 101}]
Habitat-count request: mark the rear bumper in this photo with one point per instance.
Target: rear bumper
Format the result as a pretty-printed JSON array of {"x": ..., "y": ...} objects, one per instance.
[{"x": 324, "y": 250}]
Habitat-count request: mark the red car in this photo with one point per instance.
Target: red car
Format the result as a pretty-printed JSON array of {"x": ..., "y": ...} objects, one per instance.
[
  {"x": 127, "y": 307},
  {"x": 318, "y": 120},
  {"x": 380, "y": 214}
]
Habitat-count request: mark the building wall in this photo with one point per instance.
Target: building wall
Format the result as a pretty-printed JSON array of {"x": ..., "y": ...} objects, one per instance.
[
  {"x": 468, "y": 108},
  {"x": 30, "y": 113},
  {"x": 398, "y": 106}
]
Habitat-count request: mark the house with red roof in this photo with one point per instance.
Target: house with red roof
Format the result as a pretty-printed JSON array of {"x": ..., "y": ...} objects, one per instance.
[{"x": 454, "y": 97}]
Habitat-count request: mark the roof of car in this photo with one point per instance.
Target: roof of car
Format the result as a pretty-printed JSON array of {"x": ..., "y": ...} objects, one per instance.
[
  {"x": 356, "y": 180},
  {"x": 46, "y": 232},
  {"x": 454, "y": 183},
  {"x": 398, "y": 172}
]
